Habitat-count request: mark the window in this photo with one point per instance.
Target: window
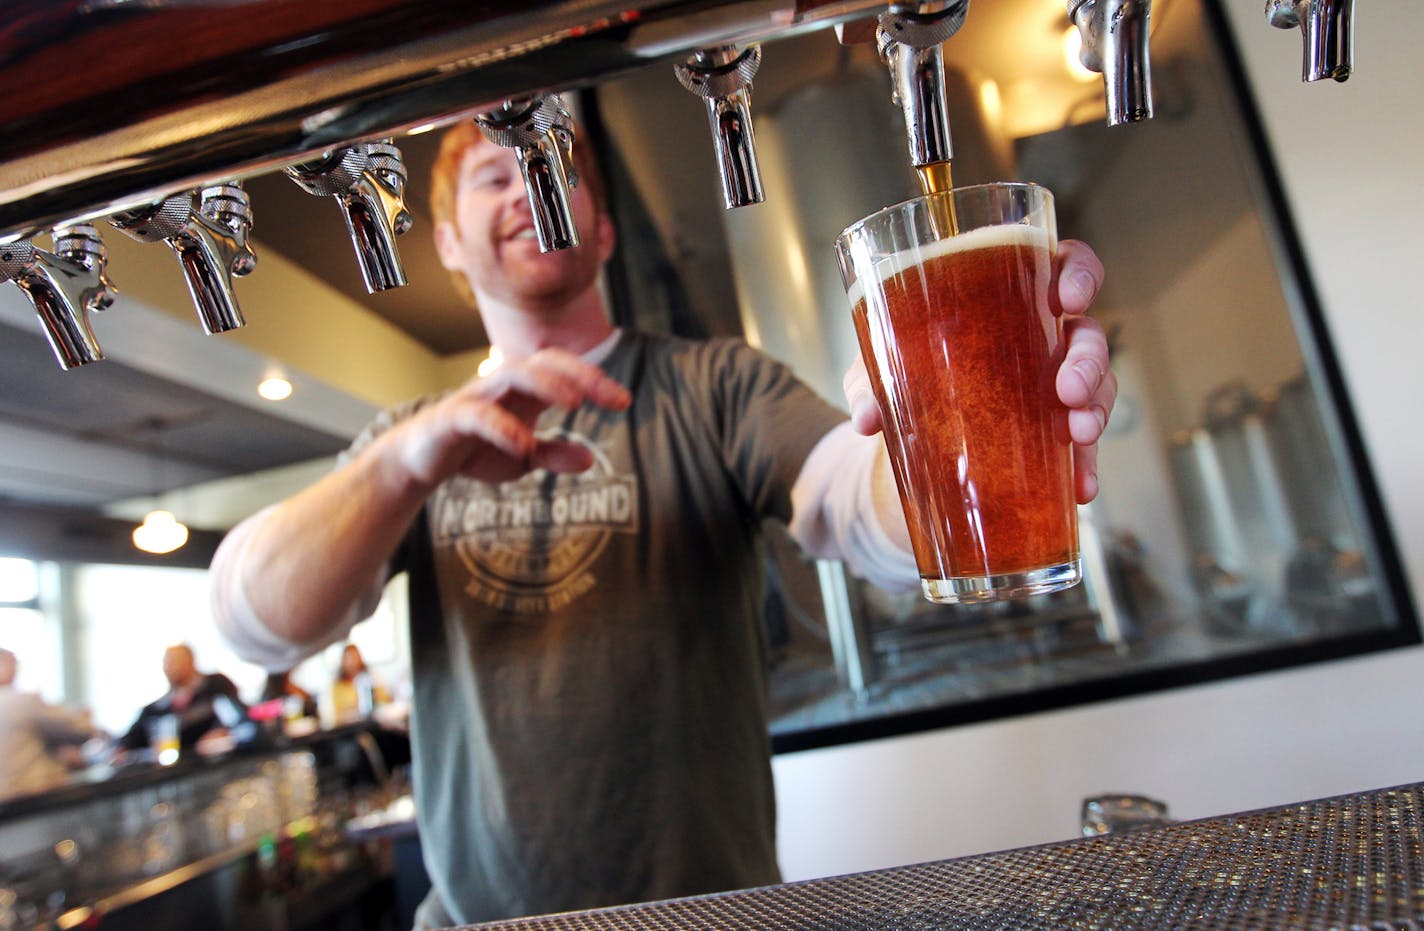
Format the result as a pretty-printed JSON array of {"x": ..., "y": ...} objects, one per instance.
[
  {"x": 127, "y": 616},
  {"x": 19, "y": 582}
]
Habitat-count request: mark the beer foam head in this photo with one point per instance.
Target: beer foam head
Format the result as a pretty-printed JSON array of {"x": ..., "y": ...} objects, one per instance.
[{"x": 985, "y": 237}]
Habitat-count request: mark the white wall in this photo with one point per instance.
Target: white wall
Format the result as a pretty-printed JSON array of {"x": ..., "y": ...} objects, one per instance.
[{"x": 1349, "y": 156}]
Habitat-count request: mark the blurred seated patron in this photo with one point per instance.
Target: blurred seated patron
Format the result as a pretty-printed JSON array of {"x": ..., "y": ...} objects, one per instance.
[
  {"x": 279, "y": 686},
  {"x": 353, "y": 680},
  {"x": 38, "y": 741},
  {"x": 202, "y": 702}
]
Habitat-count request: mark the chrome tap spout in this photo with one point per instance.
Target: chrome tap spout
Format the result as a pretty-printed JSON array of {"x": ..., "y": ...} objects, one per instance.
[
  {"x": 722, "y": 77},
  {"x": 1327, "y": 33},
  {"x": 540, "y": 131},
  {"x": 910, "y": 40},
  {"x": 1115, "y": 43},
  {"x": 64, "y": 286},
  {"x": 368, "y": 182},
  {"x": 210, "y": 240}
]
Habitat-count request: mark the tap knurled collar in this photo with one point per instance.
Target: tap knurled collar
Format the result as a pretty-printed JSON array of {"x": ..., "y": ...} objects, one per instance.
[
  {"x": 226, "y": 202},
  {"x": 921, "y": 30},
  {"x": 156, "y": 222},
  {"x": 521, "y": 123},
  {"x": 387, "y": 158},
  {"x": 15, "y": 257},
  {"x": 724, "y": 80},
  {"x": 80, "y": 239},
  {"x": 337, "y": 173}
]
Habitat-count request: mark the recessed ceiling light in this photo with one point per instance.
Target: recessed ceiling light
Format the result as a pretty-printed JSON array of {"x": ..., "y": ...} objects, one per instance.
[{"x": 275, "y": 388}]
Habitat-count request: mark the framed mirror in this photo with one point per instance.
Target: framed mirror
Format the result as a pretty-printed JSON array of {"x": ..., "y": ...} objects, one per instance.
[{"x": 1238, "y": 529}]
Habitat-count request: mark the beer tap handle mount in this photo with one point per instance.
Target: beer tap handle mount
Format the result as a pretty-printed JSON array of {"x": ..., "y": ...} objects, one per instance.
[
  {"x": 910, "y": 38},
  {"x": 368, "y": 182},
  {"x": 722, "y": 77},
  {"x": 63, "y": 286},
  {"x": 1327, "y": 33},
  {"x": 541, "y": 133},
  {"x": 207, "y": 230},
  {"x": 923, "y": 25},
  {"x": 1115, "y": 43}
]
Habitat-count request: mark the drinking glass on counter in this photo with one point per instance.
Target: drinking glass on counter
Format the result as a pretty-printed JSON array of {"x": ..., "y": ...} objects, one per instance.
[
  {"x": 163, "y": 738},
  {"x": 950, "y": 297}
]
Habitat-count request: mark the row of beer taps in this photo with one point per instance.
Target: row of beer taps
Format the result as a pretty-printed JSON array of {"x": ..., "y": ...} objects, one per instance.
[{"x": 208, "y": 228}]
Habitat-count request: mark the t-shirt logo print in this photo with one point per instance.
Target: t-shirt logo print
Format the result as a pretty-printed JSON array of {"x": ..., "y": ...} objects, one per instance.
[{"x": 529, "y": 545}]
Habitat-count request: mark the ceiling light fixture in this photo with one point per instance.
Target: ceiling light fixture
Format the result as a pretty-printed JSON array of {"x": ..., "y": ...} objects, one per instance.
[
  {"x": 160, "y": 531},
  {"x": 275, "y": 388}
]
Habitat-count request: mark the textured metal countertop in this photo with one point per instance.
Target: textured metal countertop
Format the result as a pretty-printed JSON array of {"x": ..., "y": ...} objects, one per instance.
[{"x": 1353, "y": 862}]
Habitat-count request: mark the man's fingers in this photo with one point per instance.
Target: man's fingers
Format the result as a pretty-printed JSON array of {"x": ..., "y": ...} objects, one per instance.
[
  {"x": 864, "y": 410},
  {"x": 486, "y": 429},
  {"x": 554, "y": 378},
  {"x": 1086, "y": 425},
  {"x": 489, "y": 423},
  {"x": 1084, "y": 378},
  {"x": 1078, "y": 277},
  {"x": 459, "y": 432},
  {"x": 1085, "y": 473},
  {"x": 561, "y": 456}
]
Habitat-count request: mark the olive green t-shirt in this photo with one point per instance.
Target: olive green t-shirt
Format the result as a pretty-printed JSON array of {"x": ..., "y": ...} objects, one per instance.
[{"x": 589, "y": 720}]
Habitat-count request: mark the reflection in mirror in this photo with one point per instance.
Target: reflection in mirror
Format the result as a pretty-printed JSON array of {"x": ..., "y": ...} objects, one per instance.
[{"x": 1233, "y": 532}]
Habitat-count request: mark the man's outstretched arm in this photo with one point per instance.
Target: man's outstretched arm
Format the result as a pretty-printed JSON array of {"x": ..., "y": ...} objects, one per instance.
[{"x": 303, "y": 569}]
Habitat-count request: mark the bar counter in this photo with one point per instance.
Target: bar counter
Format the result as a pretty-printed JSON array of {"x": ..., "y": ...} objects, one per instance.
[
  {"x": 1350, "y": 862},
  {"x": 219, "y": 841},
  {"x": 100, "y": 782}
]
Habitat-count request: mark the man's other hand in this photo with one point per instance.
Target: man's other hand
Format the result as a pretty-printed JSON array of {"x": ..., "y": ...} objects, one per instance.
[{"x": 485, "y": 429}]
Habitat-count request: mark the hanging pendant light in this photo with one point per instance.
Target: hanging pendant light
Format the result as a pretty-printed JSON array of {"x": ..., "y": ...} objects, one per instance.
[{"x": 160, "y": 531}]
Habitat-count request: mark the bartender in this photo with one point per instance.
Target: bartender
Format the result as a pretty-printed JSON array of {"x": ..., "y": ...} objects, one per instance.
[
  {"x": 202, "y": 703},
  {"x": 581, "y": 531}
]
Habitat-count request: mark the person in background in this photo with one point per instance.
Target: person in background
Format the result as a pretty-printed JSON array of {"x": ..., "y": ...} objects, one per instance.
[
  {"x": 279, "y": 685},
  {"x": 38, "y": 741},
  {"x": 355, "y": 693},
  {"x": 581, "y": 529},
  {"x": 203, "y": 703}
]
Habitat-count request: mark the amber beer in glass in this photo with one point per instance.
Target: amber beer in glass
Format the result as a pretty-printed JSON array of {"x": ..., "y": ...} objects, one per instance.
[{"x": 950, "y": 297}]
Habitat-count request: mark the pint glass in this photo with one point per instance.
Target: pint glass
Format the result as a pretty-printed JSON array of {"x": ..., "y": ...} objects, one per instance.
[{"x": 950, "y": 297}]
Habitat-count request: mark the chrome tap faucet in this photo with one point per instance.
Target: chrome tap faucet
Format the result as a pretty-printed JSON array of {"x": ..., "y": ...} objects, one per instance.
[
  {"x": 368, "y": 182},
  {"x": 722, "y": 77},
  {"x": 541, "y": 133},
  {"x": 1115, "y": 43},
  {"x": 910, "y": 39},
  {"x": 207, "y": 230},
  {"x": 64, "y": 286},
  {"x": 1327, "y": 31}
]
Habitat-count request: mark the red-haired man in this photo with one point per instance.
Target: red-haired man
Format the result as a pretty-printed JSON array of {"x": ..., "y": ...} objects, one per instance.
[{"x": 581, "y": 532}]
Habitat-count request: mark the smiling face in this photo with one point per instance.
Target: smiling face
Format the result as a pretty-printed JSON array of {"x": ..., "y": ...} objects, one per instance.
[{"x": 492, "y": 242}]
